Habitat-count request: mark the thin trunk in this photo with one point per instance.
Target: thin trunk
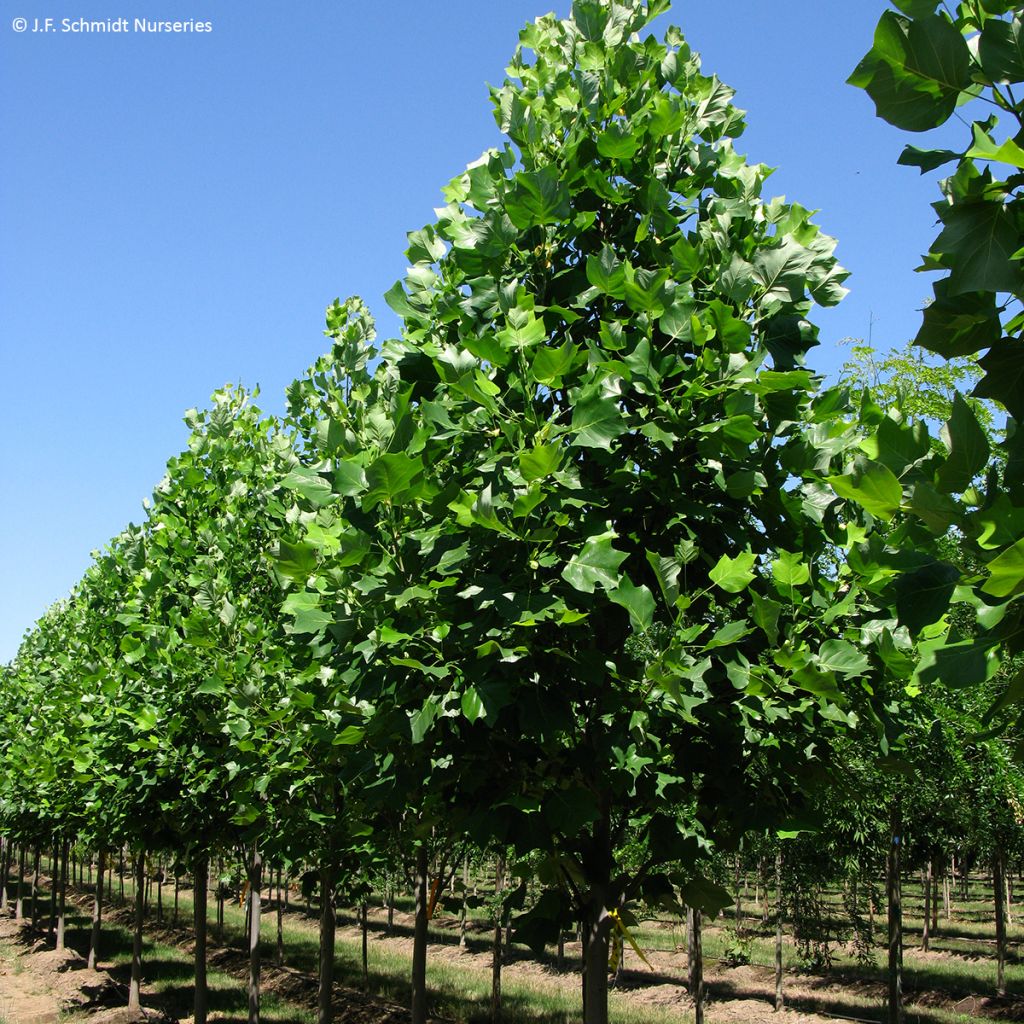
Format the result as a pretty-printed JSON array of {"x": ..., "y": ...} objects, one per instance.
[
  {"x": 778, "y": 931},
  {"x": 97, "y": 912},
  {"x": 935, "y": 898},
  {"x": 200, "y": 885},
  {"x": 926, "y": 928},
  {"x": 391, "y": 910},
  {"x": 134, "y": 989},
  {"x": 35, "y": 889},
  {"x": 695, "y": 963},
  {"x": 946, "y": 908},
  {"x": 62, "y": 899},
  {"x": 6, "y": 869},
  {"x": 1000, "y": 896},
  {"x": 895, "y": 1001},
  {"x": 464, "y": 913},
  {"x": 736, "y": 889},
  {"x": 255, "y": 886},
  {"x": 560, "y": 954},
  {"x": 499, "y": 885},
  {"x": 160, "y": 892},
  {"x": 419, "y": 947},
  {"x": 363, "y": 910},
  {"x": 597, "y": 923},
  {"x": 19, "y": 904},
  {"x": 1009, "y": 898},
  {"x": 177, "y": 887},
  {"x": 327, "y": 929},
  {"x": 280, "y": 925},
  {"x": 54, "y": 887}
]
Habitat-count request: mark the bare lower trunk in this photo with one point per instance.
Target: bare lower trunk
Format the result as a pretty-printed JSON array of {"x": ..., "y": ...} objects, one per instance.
[
  {"x": 695, "y": 963},
  {"x": 998, "y": 886},
  {"x": 280, "y": 924},
  {"x": 200, "y": 885},
  {"x": 35, "y": 889},
  {"x": 778, "y": 932},
  {"x": 499, "y": 885},
  {"x": 327, "y": 930},
  {"x": 363, "y": 927},
  {"x": 895, "y": 1001},
  {"x": 135, "y": 986},
  {"x": 255, "y": 885},
  {"x": 926, "y": 929},
  {"x": 419, "y": 947},
  {"x": 62, "y": 898},
  {"x": 97, "y": 912},
  {"x": 19, "y": 902}
]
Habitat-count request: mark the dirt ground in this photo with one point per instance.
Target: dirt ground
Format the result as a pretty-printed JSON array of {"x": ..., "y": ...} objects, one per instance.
[{"x": 41, "y": 986}]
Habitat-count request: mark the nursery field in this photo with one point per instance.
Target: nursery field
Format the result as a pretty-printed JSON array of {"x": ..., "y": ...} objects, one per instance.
[
  {"x": 582, "y": 608},
  {"x": 953, "y": 982}
]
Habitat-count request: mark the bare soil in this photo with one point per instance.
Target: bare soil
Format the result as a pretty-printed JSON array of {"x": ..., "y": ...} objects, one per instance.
[{"x": 41, "y": 986}]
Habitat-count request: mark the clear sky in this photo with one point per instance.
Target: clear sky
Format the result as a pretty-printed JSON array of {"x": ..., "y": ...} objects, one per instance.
[{"x": 176, "y": 210}]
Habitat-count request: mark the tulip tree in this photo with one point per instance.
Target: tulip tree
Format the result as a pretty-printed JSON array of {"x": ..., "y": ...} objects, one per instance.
[
  {"x": 929, "y": 58},
  {"x": 593, "y": 545}
]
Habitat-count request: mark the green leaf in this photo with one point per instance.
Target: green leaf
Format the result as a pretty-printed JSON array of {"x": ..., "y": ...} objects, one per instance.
[
  {"x": 968, "y": 449},
  {"x": 391, "y": 479},
  {"x": 666, "y": 572},
  {"x": 537, "y": 198},
  {"x": 1006, "y": 572},
  {"x": 596, "y": 564},
  {"x": 1001, "y": 50},
  {"x": 549, "y": 365},
  {"x": 790, "y": 570},
  {"x": 212, "y": 685},
  {"x": 926, "y": 159},
  {"x": 900, "y": 447},
  {"x": 296, "y": 561},
  {"x": 348, "y": 736},
  {"x": 960, "y": 325},
  {"x": 985, "y": 148},
  {"x": 707, "y": 896},
  {"x": 766, "y": 614},
  {"x": 873, "y": 487},
  {"x": 923, "y": 596},
  {"x": 617, "y": 142},
  {"x": 638, "y": 601},
  {"x": 308, "y": 616},
  {"x": 146, "y": 720},
  {"x": 540, "y": 461},
  {"x": 842, "y": 657},
  {"x": 310, "y": 485},
  {"x": 607, "y": 273},
  {"x": 1004, "y": 376},
  {"x": 349, "y": 478},
  {"x": 915, "y": 71},
  {"x": 734, "y": 575},
  {"x": 978, "y": 242},
  {"x": 596, "y": 422}
]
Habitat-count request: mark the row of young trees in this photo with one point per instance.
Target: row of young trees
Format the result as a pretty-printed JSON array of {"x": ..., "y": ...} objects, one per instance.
[{"x": 584, "y": 561}]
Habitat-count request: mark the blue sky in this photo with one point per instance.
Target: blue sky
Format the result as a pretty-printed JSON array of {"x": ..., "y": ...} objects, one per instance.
[{"x": 177, "y": 210}]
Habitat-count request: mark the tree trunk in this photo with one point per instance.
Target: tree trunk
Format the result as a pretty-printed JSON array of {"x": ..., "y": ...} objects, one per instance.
[
  {"x": 363, "y": 911},
  {"x": 177, "y": 888},
  {"x": 54, "y": 888},
  {"x": 695, "y": 963},
  {"x": 160, "y": 891},
  {"x": 280, "y": 925},
  {"x": 999, "y": 888},
  {"x": 62, "y": 899},
  {"x": 935, "y": 898},
  {"x": 327, "y": 929},
  {"x": 6, "y": 870},
  {"x": 464, "y": 913},
  {"x": 135, "y": 986},
  {"x": 895, "y": 1002},
  {"x": 255, "y": 886},
  {"x": 499, "y": 885},
  {"x": 778, "y": 931},
  {"x": 97, "y": 912},
  {"x": 19, "y": 903},
  {"x": 200, "y": 885},
  {"x": 419, "y": 947},
  {"x": 597, "y": 923},
  {"x": 35, "y": 889},
  {"x": 926, "y": 927},
  {"x": 736, "y": 888}
]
